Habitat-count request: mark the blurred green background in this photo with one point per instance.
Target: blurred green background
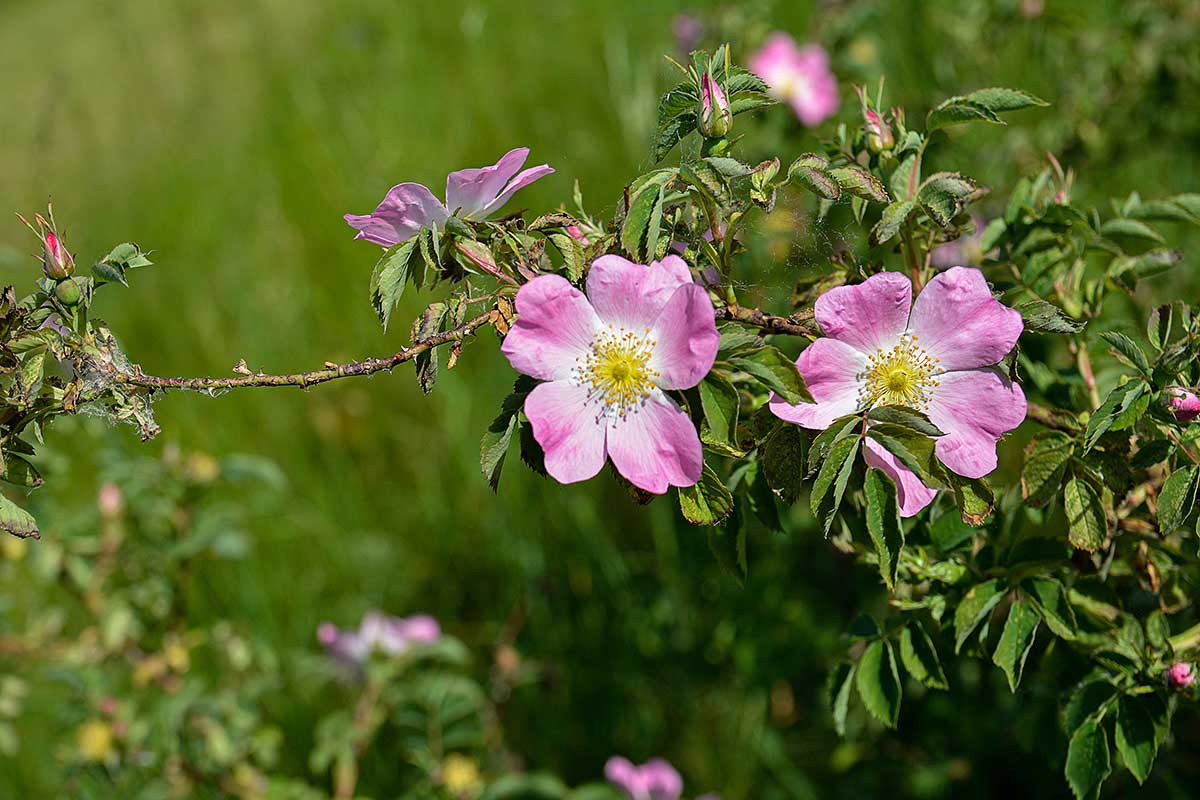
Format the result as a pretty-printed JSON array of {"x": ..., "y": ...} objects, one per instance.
[{"x": 230, "y": 136}]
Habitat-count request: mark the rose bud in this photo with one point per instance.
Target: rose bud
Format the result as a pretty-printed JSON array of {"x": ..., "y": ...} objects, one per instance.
[
  {"x": 1183, "y": 403},
  {"x": 56, "y": 261},
  {"x": 68, "y": 292},
  {"x": 879, "y": 133},
  {"x": 715, "y": 117},
  {"x": 1180, "y": 676}
]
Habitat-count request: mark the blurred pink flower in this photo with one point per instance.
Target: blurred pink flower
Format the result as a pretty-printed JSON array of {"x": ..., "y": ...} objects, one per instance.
[
  {"x": 378, "y": 632},
  {"x": 1183, "y": 403},
  {"x": 934, "y": 355},
  {"x": 606, "y": 359},
  {"x": 798, "y": 76},
  {"x": 1180, "y": 676},
  {"x": 687, "y": 30},
  {"x": 472, "y": 194},
  {"x": 654, "y": 780},
  {"x": 108, "y": 500}
]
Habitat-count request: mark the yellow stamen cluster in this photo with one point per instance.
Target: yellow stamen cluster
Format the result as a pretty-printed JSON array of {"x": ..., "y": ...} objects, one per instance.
[
  {"x": 617, "y": 369},
  {"x": 901, "y": 376}
]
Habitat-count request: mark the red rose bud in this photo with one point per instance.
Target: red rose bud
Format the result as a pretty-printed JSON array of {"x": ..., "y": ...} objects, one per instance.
[
  {"x": 1184, "y": 403},
  {"x": 715, "y": 117},
  {"x": 56, "y": 261},
  {"x": 879, "y": 133},
  {"x": 1180, "y": 676}
]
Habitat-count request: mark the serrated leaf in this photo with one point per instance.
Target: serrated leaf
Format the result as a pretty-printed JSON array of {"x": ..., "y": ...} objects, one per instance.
[
  {"x": 776, "y": 371},
  {"x": 783, "y": 462},
  {"x": 1131, "y": 228},
  {"x": 706, "y": 502},
  {"x": 839, "y": 685},
  {"x": 920, "y": 657},
  {"x": 914, "y": 449},
  {"x": 1086, "y": 525},
  {"x": 639, "y": 232},
  {"x": 860, "y": 183},
  {"x": 719, "y": 401},
  {"x": 1044, "y": 317},
  {"x": 426, "y": 363},
  {"x": 1000, "y": 99},
  {"x": 1118, "y": 401},
  {"x": 1016, "y": 640},
  {"x": 883, "y": 523},
  {"x": 812, "y": 172},
  {"x": 891, "y": 221},
  {"x": 976, "y": 604},
  {"x": 831, "y": 481},
  {"x": 905, "y": 417},
  {"x": 389, "y": 279},
  {"x": 17, "y": 521},
  {"x": 958, "y": 110},
  {"x": 1088, "y": 761},
  {"x": 878, "y": 682},
  {"x": 1128, "y": 350},
  {"x": 1136, "y": 738},
  {"x": 20, "y": 472},
  {"x": 1046, "y": 460},
  {"x": 1050, "y": 599},
  {"x": 1177, "y": 499}
]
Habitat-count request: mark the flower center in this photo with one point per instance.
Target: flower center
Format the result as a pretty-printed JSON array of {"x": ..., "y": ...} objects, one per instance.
[
  {"x": 900, "y": 376},
  {"x": 617, "y": 369}
]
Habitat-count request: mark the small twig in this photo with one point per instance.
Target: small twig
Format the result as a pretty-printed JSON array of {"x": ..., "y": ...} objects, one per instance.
[
  {"x": 795, "y": 325},
  {"x": 1049, "y": 418}
]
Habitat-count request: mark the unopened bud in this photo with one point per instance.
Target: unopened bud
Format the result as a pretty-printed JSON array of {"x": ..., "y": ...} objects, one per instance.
[
  {"x": 1184, "y": 403},
  {"x": 56, "y": 261},
  {"x": 878, "y": 133},
  {"x": 68, "y": 292},
  {"x": 1180, "y": 676},
  {"x": 716, "y": 119}
]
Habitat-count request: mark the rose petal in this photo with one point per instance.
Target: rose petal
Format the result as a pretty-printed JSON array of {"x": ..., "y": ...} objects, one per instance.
[
  {"x": 569, "y": 428},
  {"x": 910, "y": 492},
  {"x": 956, "y": 319},
  {"x": 975, "y": 408},
  {"x": 520, "y": 182},
  {"x": 869, "y": 315},
  {"x": 554, "y": 329},
  {"x": 630, "y": 295},
  {"x": 469, "y": 191},
  {"x": 831, "y": 369},
  {"x": 686, "y": 338},
  {"x": 662, "y": 780},
  {"x": 405, "y": 209},
  {"x": 655, "y": 445}
]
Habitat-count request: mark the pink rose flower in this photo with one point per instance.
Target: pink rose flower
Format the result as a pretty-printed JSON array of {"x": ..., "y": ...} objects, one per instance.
[
  {"x": 470, "y": 193},
  {"x": 1184, "y": 403},
  {"x": 378, "y": 632},
  {"x": 798, "y": 76},
  {"x": 1180, "y": 676},
  {"x": 607, "y": 359},
  {"x": 654, "y": 780},
  {"x": 934, "y": 355}
]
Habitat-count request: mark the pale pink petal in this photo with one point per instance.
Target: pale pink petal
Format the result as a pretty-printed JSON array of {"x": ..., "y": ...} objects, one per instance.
[
  {"x": 869, "y": 315},
  {"x": 554, "y": 329},
  {"x": 621, "y": 772},
  {"x": 775, "y": 62},
  {"x": 469, "y": 191},
  {"x": 655, "y": 445},
  {"x": 975, "y": 408},
  {"x": 520, "y": 182},
  {"x": 910, "y": 492},
  {"x": 630, "y": 295},
  {"x": 831, "y": 369},
  {"x": 405, "y": 209},
  {"x": 957, "y": 321},
  {"x": 686, "y": 338},
  {"x": 569, "y": 427},
  {"x": 663, "y": 781}
]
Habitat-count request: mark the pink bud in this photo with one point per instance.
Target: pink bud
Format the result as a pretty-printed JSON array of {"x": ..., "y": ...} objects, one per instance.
[
  {"x": 56, "y": 261},
  {"x": 715, "y": 116},
  {"x": 327, "y": 634},
  {"x": 108, "y": 500},
  {"x": 1183, "y": 403},
  {"x": 879, "y": 133},
  {"x": 1180, "y": 676},
  {"x": 576, "y": 233}
]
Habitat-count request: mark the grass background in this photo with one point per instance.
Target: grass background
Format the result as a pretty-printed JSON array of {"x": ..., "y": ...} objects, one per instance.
[{"x": 230, "y": 137}]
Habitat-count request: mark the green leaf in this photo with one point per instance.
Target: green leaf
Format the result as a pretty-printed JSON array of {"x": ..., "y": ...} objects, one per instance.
[
  {"x": 1177, "y": 499},
  {"x": 1128, "y": 349},
  {"x": 1120, "y": 400},
  {"x": 1000, "y": 99},
  {"x": 821, "y": 446},
  {"x": 1086, "y": 525},
  {"x": 920, "y": 656},
  {"x": 708, "y": 501},
  {"x": 841, "y": 681},
  {"x": 17, "y": 520},
  {"x": 883, "y": 523},
  {"x": 891, "y": 220},
  {"x": 976, "y": 604},
  {"x": 20, "y": 472},
  {"x": 903, "y": 182},
  {"x": 860, "y": 183},
  {"x": 974, "y": 498},
  {"x": 728, "y": 545},
  {"x": 1050, "y": 599},
  {"x": 1086, "y": 700},
  {"x": 1136, "y": 739},
  {"x": 494, "y": 445},
  {"x": 914, "y": 449},
  {"x": 905, "y": 417},
  {"x": 640, "y": 231},
  {"x": 719, "y": 400},
  {"x": 878, "y": 682},
  {"x": 1043, "y": 317},
  {"x": 1088, "y": 761},
  {"x": 424, "y": 327},
  {"x": 1046, "y": 460},
  {"x": 949, "y": 531},
  {"x": 1131, "y": 228},
  {"x": 812, "y": 172},
  {"x": 776, "y": 371},
  {"x": 782, "y": 462},
  {"x": 957, "y": 110},
  {"x": 1016, "y": 641},
  {"x": 831, "y": 481},
  {"x": 389, "y": 279},
  {"x": 942, "y": 196}
]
